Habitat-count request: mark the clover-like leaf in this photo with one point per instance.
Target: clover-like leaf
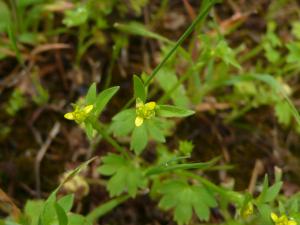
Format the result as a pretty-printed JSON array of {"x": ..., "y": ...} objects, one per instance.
[
  {"x": 184, "y": 199},
  {"x": 125, "y": 175}
]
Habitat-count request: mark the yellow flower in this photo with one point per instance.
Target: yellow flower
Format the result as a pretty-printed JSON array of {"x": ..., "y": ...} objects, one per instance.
[
  {"x": 247, "y": 210},
  {"x": 79, "y": 114},
  {"x": 144, "y": 111},
  {"x": 282, "y": 220}
]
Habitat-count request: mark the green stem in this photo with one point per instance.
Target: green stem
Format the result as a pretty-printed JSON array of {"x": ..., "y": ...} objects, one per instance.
[
  {"x": 106, "y": 207},
  {"x": 189, "y": 30},
  {"x": 97, "y": 126},
  {"x": 183, "y": 37}
]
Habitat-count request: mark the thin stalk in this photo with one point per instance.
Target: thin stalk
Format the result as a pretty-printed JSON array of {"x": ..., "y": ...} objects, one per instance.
[
  {"x": 183, "y": 37},
  {"x": 189, "y": 30},
  {"x": 97, "y": 126},
  {"x": 103, "y": 209}
]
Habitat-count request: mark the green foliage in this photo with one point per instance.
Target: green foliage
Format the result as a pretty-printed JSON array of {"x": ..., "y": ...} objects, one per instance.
[
  {"x": 185, "y": 199},
  {"x": 125, "y": 175},
  {"x": 4, "y": 16},
  {"x": 16, "y": 102},
  {"x": 212, "y": 73},
  {"x": 77, "y": 16},
  {"x": 139, "y": 89}
]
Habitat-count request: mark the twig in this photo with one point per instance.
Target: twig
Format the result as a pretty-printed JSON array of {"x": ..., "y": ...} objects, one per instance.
[
  {"x": 41, "y": 153},
  {"x": 257, "y": 170}
]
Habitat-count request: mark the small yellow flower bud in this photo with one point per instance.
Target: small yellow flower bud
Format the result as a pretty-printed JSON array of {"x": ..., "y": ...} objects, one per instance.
[
  {"x": 247, "y": 210},
  {"x": 79, "y": 114},
  {"x": 144, "y": 111},
  {"x": 282, "y": 220}
]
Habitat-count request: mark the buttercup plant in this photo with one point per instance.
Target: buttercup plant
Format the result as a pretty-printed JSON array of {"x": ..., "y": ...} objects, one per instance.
[{"x": 144, "y": 125}]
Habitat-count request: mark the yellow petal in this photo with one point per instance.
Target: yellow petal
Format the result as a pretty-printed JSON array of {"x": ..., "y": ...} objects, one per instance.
[
  {"x": 274, "y": 217},
  {"x": 138, "y": 121},
  {"x": 150, "y": 105},
  {"x": 69, "y": 116},
  {"x": 292, "y": 222},
  {"x": 88, "y": 109},
  {"x": 139, "y": 104}
]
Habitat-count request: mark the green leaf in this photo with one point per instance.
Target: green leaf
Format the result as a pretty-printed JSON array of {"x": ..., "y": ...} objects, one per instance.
[
  {"x": 167, "y": 79},
  {"x": 103, "y": 98},
  {"x": 124, "y": 115},
  {"x": 48, "y": 215},
  {"x": 154, "y": 130},
  {"x": 296, "y": 29},
  {"x": 139, "y": 139},
  {"x": 185, "y": 198},
  {"x": 106, "y": 207},
  {"x": 139, "y": 88},
  {"x": 272, "y": 192},
  {"x": 33, "y": 209},
  {"x": 186, "y": 147},
  {"x": 265, "y": 212},
  {"x": 25, "y": 3},
  {"x": 125, "y": 175},
  {"x": 111, "y": 164},
  {"x": 173, "y": 111},
  {"x": 61, "y": 215},
  {"x": 283, "y": 113},
  {"x": 136, "y": 28},
  {"x": 77, "y": 16},
  {"x": 91, "y": 95},
  {"x": 66, "y": 202},
  {"x": 268, "y": 194},
  {"x": 89, "y": 130},
  {"x": 75, "y": 219},
  {"x": 183, "y": 213},
  {"x": 4, "y": 16},
  {"x": 167, "y": 166}
]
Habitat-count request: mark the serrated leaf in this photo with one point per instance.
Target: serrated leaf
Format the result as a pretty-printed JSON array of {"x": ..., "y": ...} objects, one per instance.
[
  {"x": 123, "y": 122},
  {"x": 167, "y": 79},
  {"x": 139, "y": 88},
  {"x": 139, "y": 139},
  {"x": 173, "y": 111},
  {"x": 125, "y": 175},
  {"x": 183, "y": 213},
  {"x": 155, "y": 131},
  {"x": 185, "y": 198},
  {"x": 103, "y": 98},
  {"x": 111, "y": 164}
]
